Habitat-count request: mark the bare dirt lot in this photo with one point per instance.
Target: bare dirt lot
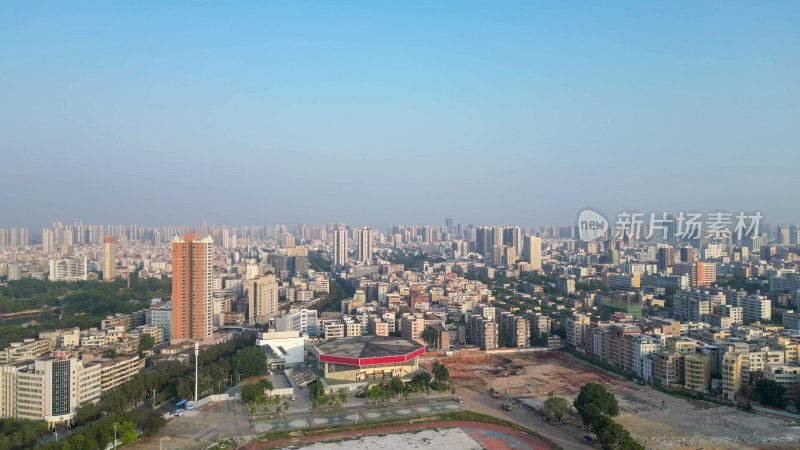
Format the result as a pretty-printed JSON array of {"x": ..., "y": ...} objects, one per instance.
[{"x": 531, "y": 378}]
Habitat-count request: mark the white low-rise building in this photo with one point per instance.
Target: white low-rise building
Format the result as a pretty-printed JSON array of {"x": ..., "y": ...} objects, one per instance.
[{"x": 285, "y": 349}]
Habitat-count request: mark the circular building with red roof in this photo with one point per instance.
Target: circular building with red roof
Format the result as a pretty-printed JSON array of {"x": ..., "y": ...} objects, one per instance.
[{"x": 365, "y": 358}]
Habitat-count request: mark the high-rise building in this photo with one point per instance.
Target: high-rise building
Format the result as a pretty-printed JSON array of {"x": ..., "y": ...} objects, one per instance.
[
  {"x": 532, "y": 251},
  {"x": 24, "y": 238},
  {"x": 512, "y": 236},
  {"x": 699, "y": 273},
  {"x": 109, "y": 259},
  {"x": 364, "y": 239},
  {"x": 70, "y": 269},
  {"x": 49, "y": 388},
  {"x": 483, "y": 332},
  {"x": 192, "y": 308},
  {"x": 263, "y": 299},
  {"x": 665, "y": 257},
  {"x": 48, "y": 241},
  {"x": 339, "y": 247}
]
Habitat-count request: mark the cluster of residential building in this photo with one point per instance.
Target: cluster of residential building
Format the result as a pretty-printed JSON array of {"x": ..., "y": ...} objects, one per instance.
[{"x": 661, "y": 310}]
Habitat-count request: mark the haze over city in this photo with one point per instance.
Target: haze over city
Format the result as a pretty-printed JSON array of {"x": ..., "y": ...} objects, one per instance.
[
  {"x": 455, "y": 224},
  {"x": 375, "y": 114}
]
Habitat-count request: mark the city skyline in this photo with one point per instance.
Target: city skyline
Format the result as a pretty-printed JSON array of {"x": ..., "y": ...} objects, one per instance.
[{"x": 294, "y": 112}]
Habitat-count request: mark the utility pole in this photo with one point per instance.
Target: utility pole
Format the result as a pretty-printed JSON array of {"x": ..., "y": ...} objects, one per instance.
[
  {"x": 115, "y": 436},
  {"x": 154, "y": 398},
  {"x": 196, "y": 353}
]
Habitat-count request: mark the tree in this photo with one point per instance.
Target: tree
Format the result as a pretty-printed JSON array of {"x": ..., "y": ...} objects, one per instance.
[
  {"x": 771, "y": 393},
  {"x": 146, "y": 342},
  {"x": 440, "y": 373},
  {"x": 251, "y": 393},
  {"x": 78, "y": 441},
  {"x": 557, "y": 407},
  {"x": 342, "y": 397},
  {"x": 421, "y": 379},
  {"x": 251, "y": 362},
  {"x": 502, "y": 339},
  {"x": 265, "y": 385},
  {"x": 110, "y": 353},
  {"x": 595, "y": 394},
  {"x": 539, "y": 339},
  {"x": 127, "y": 432},
  {"x": 396, "y": 385},
  {"x": 316, "y": 389},
  {"x": 186, "y": 387},
  {"x": 612, "y": 435},
  {"x": 430, "y": 336}
]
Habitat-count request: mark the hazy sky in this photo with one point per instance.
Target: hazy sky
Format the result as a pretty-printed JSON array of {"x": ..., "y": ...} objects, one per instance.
[{"x": 395, "y": 112}]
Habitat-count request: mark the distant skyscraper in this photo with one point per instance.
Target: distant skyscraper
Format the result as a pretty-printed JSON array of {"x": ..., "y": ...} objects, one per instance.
[
  {"x": 364, "y": 237},
  {"x": 48, "y": 241},
  {"x": 24, "y": 238},
  {"x": 486, "y": 238},
  {"x": 513, "y": 236},
  {"x": 532, "y": 251},
  {"x": 192, "y": 311},
  {"x": 109, "y": 259},
  {"x": 339, "y": 247},
  {"x": 784, "y": 234}
]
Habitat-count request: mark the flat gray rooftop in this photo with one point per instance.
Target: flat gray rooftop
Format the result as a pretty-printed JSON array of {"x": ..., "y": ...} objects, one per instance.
[{"x": 368, "y": 347}]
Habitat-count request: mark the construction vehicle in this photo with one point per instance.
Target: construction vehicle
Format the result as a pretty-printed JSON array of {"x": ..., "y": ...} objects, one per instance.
[
  {"x": 505, "y": 406},
  {"x": 494, "y": 393}
]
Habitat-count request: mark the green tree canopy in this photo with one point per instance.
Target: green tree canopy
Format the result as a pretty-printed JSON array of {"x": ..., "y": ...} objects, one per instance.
[
  {"x": 595, "y": 394},
  {"x": 771, "y": 393},
  {"x": 251, "y": 362},
  {"x": 557, "y": 407},
  {"x": 440, "y": 373},
  {"x": 146, "y": 342}
]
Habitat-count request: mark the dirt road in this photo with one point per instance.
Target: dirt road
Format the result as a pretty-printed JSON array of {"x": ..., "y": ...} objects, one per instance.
[{"x": 565, "y": 436}]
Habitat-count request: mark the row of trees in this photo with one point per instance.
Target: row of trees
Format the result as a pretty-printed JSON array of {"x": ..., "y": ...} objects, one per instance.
[
  {"x": 422, "y": 384},
  {"x": 320, "y": 401},
  {"x": 258, "y": 394},
  {"x": 172, "y": 380},
  {"x": 97, "y": 434},
  {"x": 19, "y": 434},
  {"x": 770, "y": 392},
  {"x": 596, "y": 406}
]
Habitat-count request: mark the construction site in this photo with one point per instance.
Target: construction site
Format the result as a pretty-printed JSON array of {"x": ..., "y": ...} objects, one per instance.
[{"x": 655, "y": 419}]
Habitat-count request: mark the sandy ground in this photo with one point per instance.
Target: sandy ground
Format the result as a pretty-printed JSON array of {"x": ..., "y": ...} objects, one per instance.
[
  {"x": 532, "y": 378},
  {"x": 443, "y": 439}
]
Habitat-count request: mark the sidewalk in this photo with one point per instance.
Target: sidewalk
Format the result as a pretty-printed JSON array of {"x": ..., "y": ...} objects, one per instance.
[{"x": 354, "y": 415}]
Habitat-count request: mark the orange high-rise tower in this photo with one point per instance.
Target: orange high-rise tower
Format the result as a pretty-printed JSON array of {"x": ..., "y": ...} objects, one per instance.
[{"x": 191, "y": 287}]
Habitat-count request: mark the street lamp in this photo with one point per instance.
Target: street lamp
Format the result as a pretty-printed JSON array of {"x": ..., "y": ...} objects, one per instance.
[
  {"x": 196, "y": 353},
  {"x": 115, "y": 436}
]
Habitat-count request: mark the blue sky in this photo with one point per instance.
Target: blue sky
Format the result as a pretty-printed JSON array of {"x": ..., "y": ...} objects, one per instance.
[{"x": 405, "y": 112}]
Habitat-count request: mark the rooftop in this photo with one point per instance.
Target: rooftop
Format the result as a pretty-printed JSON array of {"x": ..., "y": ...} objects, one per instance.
[{"x": 362, "y": 347}]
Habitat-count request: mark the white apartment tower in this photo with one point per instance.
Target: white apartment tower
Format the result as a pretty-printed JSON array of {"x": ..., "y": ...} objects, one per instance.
[
  {"x": 364, "y": 238},
  {"x": 340, "y": 247}
]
